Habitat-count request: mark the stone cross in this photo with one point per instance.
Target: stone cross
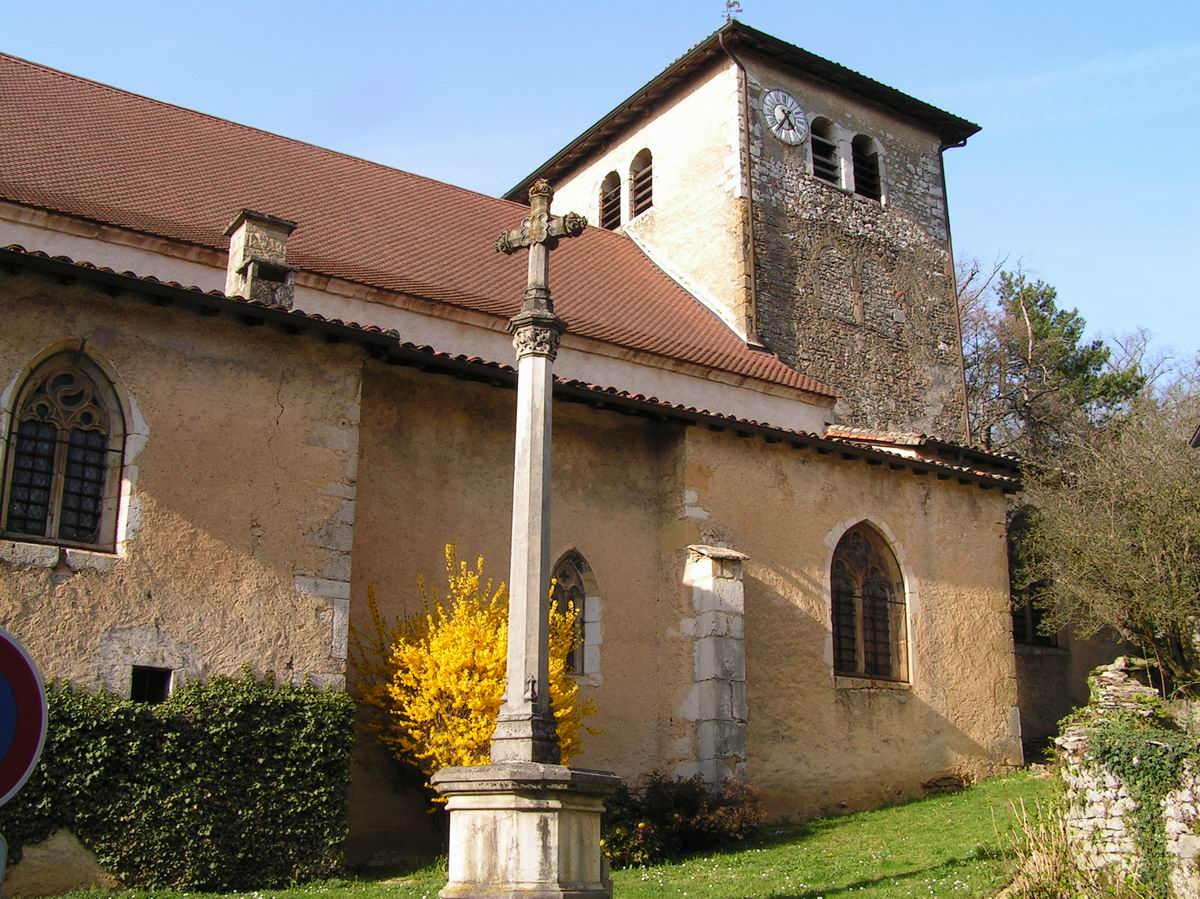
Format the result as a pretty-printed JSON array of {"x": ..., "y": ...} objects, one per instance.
[{"x": 525, "y": 730}]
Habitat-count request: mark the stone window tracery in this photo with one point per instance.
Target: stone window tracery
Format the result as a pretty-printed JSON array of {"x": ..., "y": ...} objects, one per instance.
[
  {"x": 641, "y": 183},
  {"x": 575, "y": 583},
  {"x": 870, "y": 621},
  {"x": 62, "y": 472}
]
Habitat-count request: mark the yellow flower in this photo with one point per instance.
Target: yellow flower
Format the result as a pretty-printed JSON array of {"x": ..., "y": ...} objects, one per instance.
[{"x": 437, "y": 678}]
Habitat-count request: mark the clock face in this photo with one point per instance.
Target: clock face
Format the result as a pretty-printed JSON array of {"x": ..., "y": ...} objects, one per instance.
[{"x": 784, "y": 116}]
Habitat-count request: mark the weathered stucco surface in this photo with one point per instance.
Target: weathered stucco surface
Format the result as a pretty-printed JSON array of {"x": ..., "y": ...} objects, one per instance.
[
  {"x": 858, "y": 293},
  {"x": 631, "y": 496},
  {"x": 238, "y": 546},
  {"x": 694, "y": 229},
  {"x": 815, "y": 742},
  {"x": 256, "y": 481}
]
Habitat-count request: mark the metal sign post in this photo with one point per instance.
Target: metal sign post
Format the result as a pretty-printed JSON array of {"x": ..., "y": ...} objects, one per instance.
[{"x": 22, "y": 722}]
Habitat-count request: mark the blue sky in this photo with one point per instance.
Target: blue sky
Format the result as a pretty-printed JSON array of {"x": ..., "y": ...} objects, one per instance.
[{"x": 1085, "y": 172}]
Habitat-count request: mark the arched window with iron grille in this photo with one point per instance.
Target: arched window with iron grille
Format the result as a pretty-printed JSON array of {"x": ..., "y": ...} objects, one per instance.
[
  {"x": 870, "y": 620},
  {"x": 610, "y": 201},
  {"x": 641, "y": 183},
  {"x": 62, "y": 476}
]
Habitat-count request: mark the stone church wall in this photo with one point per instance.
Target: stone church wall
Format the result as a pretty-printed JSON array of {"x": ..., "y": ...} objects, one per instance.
[
  {"x": 254, "y": 481},
  {"x": 858, "y": 293},
  {"x": 636, "y": 498},
  {"x": 694, "y": 229},
  {"x": 437, "y": 467},
  {"x": 238, "y": 497},
  {"x": 816, "y": 742}
]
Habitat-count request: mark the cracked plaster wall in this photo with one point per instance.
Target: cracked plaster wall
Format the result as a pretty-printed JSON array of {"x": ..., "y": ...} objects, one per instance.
[{"x": 245, "y": 490}]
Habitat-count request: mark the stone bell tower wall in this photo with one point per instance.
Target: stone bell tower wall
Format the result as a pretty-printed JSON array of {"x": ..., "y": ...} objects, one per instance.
[
  {"x": 694, "y": 229},
  {"x": 856, "y": 292}
]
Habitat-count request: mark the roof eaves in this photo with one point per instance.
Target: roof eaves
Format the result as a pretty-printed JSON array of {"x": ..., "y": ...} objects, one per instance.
[
  {"x": 387, "y": 345},
  {"x": 952, "y": 129}
]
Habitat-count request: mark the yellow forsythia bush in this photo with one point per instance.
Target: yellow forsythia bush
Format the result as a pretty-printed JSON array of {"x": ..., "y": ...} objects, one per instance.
[{"x": 437, "y": 678}]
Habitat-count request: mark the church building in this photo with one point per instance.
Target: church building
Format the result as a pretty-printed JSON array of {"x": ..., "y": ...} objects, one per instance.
[{"x": 244, "y": 379}]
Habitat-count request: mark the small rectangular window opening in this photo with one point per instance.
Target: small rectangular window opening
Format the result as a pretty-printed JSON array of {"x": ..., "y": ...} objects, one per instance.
[
  {"x": 152, "y": 685},
  {"x": 1027, "y": 625}
]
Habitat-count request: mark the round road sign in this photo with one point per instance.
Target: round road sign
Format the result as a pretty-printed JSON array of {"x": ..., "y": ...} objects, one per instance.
[{"x": 22, "y": 716}]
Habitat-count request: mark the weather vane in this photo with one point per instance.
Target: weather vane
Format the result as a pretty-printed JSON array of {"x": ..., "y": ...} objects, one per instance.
[{"x": 731, "y": 7}]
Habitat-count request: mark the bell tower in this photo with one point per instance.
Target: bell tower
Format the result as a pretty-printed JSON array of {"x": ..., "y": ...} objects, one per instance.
[{"x": 802, "y": 203}]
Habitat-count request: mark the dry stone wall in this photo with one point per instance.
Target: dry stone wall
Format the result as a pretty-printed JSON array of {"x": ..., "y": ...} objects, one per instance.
[
  {"x": 1101, "y": 810},
  {"x": 855, "y": 292}
]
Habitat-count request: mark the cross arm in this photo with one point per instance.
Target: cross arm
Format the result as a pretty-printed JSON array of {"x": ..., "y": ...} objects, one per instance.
[{"x": 540, "y": 228}]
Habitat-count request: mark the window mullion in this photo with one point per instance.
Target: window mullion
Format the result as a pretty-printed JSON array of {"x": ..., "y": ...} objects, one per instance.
[
  {"x": 860, "y": 649},
  {"x": 57, "y": 479}
]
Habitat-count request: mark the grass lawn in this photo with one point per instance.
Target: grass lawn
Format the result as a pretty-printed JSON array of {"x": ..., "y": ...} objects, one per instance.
[{"x": 953, "y": 845}]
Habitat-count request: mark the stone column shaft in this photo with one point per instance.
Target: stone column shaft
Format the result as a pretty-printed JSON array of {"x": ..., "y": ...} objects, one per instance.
[
  {"x": 529, "y": 572},
  {"x": 525, "y": 728}
]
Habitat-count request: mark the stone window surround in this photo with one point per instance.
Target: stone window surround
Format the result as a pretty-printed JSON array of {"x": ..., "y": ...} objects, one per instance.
[
  {"x": 842, "y": 138},
  {"x": 911, "y": 606},
  {"x": 593, "y": 632},
  {"x": 46, "y": 553}
]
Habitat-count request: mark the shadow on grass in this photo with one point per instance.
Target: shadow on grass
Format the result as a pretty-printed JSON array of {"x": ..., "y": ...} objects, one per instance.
[
  {"x": 414, "y": 865},
  {"x": 949, "y": 865}
]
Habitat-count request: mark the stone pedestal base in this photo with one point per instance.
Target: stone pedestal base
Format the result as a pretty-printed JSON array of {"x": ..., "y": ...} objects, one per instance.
[{"x": 525, "y": 829}]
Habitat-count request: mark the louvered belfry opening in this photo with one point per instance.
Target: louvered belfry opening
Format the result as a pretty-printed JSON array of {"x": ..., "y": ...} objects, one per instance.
[
  {"x": 870, "y": 631},
  {"x": 866, "y": 167},
  {"x": 824, "y": 152},
  {"x": 610, "y": 201},
  {"x": 641, "y": 183}
]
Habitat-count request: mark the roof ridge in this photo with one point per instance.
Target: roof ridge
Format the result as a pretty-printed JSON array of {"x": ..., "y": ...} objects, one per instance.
[{"x": 271, "y": 134}]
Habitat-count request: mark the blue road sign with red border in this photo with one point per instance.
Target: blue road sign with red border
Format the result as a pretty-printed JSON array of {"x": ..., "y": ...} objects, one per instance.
[{"x": 22, "y": 716}]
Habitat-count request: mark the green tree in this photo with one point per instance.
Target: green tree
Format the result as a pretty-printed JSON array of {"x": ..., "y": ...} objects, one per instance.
[{"x": 1032, "y": 379}]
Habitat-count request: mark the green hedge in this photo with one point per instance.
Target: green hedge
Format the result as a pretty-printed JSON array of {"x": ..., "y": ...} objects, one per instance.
[{"x": 230, "y": 784}]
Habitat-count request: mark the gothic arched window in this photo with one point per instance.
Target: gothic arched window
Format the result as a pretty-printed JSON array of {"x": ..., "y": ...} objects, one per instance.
[
  {"x": 62, "y": 476},
  {"x": 575, "y": 583},
  {"x": 870, "y": 632},
  {"x": 641, "y": 183},
  {"x": 610, "y": 201},
  {"x": 826, "y": 164},
  {"x": 865, "y": 155}
]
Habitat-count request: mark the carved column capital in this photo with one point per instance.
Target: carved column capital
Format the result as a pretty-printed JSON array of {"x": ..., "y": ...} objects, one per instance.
[{"x": 537, "y": 338}]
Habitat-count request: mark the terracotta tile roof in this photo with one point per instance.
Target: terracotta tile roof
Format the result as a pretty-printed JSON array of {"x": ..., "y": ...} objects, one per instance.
[
  {"x": 85, "y": 149},
  {"x": 869, "y": 435},
  {"x": 925, "y": 446},
  {"x": 388, "y": 345}
]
